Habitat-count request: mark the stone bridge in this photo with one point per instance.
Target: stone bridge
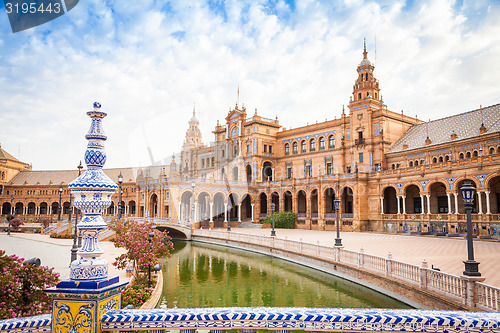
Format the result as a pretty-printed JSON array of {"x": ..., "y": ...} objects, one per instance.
[{"x": 176, "y": 229}]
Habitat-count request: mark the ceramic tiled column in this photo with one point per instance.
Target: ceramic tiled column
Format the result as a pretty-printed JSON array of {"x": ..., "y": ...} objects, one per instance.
[{"x": 79, "y": 302}]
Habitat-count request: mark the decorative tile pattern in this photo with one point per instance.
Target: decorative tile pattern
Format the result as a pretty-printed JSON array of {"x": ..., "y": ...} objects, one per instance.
[
  {"x": 308, "y": 319},
  {"x": 92, "y": 191},
  {"x": 481, "y": 178},
  {"x": 27, "y": 325}
]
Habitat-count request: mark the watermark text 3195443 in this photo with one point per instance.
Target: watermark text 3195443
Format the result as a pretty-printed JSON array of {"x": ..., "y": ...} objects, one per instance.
[{"x": 26, "y": 14}]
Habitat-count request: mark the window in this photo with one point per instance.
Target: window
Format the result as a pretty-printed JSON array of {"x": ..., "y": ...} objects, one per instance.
[
  {"x": 270, "y": 149},
  {"x": 295, "y": 147},
  {"x": 443, "y": 204},
  {"x": 461, "y": 156},
  {"x": 360, "y": 157},
  {"x": 329, "y": 168},
  {"x": 468, "y": 154},
  {"x": 378, "y": 167},
  {"x": 348, "y": 169},
  {"x": 265, "y": 148},
  {"x": 248, "y": 148},
  {"x": 202, "y": 163},
  {"x": 321, "y": 143},
  {"x": 474, "y": 153},
  {"x": 441, "y": 159},
  {"x": 289, "y": 172},
  {"x": 308, "y": 171},
  {"x": 303, "y": 146},
  {"x": 223, "y": 153},
  {"x": 287, "y": 149},
  {"x": 492, "y": 151},
  {"x": 331, "y": 141},
  {"x": 312, "y": 145},
  {"x": 434, "y": 160},
  {"x": 411, "y": 163},
  {"x": 235, "y": 150}
]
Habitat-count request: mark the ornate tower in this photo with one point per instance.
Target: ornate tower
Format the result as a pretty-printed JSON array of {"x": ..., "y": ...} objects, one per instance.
[
  {"x": 193, "y": 134},
  {"x": 366, "y": 88}
]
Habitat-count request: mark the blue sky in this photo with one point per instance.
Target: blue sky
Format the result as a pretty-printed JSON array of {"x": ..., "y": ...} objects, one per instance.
[{"x": 148, "y": 61}]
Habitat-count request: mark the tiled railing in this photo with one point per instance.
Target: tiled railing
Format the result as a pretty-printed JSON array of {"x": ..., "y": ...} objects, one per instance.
[
  {"x": 443, "y": 284},
  {"x": 303, "y": 319}
]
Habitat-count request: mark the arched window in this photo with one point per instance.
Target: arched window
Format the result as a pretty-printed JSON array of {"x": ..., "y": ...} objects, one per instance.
[
  {"x": 366, "y": 77},
  {"x": 213, "y": 160},
  {"x": 303, "y": 146},
  {"x": 411, "y": 163},
  {"x": 447, "y": 158},
  {"x": 393, "y": 166},
  {"x": 331, "y": 141},
  {"x": 434, "y": 160},
  {"x": 492, "y": 151},
  {"x": 461, "y": 156},
  {"x": 287, "y": 149},
  {"x": 359, "y": 95},
  {"x": 322, "y": 143},
  {"x": 203, "y": 163},
  {"x": 312, "y": 145},
  {"x": 440, "y": 159},
  {"x": 474, "y": 153},
  {"x": 416, "y": 163},
  {"x": 468, "y": 154},
  {"x": 295, "y": 147}
]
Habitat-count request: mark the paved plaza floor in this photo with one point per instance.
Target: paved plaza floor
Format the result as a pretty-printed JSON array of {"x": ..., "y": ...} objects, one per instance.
[{"x": 444, "y": 253}]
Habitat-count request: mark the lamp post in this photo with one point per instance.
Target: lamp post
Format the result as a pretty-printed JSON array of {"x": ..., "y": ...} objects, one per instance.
[
  {"x": 471, "y": 266},
  {"x": 74, "y": 248},
  {"x": 80, "y": 167},
  {"x": 150, "y": 239},
  {"x": 13, "y": 211},
  {"x": 273, "y": 232},
  {"x": 336, "y": 203},
  {"x": 193, "y": 185},
  {"x": 60, "y": 194},
  {"x": 120, "y": 181}
]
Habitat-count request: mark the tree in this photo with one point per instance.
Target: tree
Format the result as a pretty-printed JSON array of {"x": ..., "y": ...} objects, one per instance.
[
  {"x": 133, "y": 236},
  {"x": 21, "y": 287},
  {"x": 16, "y": 223}
]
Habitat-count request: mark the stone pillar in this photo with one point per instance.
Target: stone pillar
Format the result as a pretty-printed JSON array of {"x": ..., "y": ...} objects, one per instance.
[
  {"x": 456, "y": 202},
  {"x": 488, "y": 202},
  {"x": 381, "y": 205},
  {"x": 211, "y": 211},
  {"x": 79, "y": 303},
  {"x": 404, "y": 203},
  {"x": 422, "y": 204},
  {"x": 180, "y": 211},
  {"x": 480, "y": 203},
  {"x": 195, "y": 212},
  {"x": 449, "y": 202},
  {"x": 239, "y": 212},
  {"x": 225, "y": 212},
  {"x": 272, "y": 174},
  {"x": 252, "y": 205},
  {"x": 428, "y": 203},
  {"x": 399, "y": 205}
]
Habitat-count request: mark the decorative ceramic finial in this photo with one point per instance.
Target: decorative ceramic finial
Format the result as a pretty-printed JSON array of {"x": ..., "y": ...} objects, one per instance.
[{"x": 92, "y": 192}]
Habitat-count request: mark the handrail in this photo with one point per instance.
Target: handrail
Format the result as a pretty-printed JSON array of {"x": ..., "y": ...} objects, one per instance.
[{"x": 307, "y": 319}]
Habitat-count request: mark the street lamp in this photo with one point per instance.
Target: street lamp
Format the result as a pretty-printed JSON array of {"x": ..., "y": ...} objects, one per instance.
[
  {"x": 273, "y": 232},
  {"x": 74, "y": 249},
  {"x": 13, "y": 211},
  {"x": 471, "y": 266},
  {"x": 193, "y": 185},
  {"x": 60, "y": 194},
  {"x": 336, "y": 203},
  {"x": 120, "y": 181},
  {"x": 150, "y": 239}
]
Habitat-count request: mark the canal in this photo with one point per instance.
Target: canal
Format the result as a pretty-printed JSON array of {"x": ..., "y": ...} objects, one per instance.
[{"x": 203, "y": 275}]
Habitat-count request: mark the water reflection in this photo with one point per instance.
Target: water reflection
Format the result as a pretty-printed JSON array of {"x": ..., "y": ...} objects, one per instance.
[{"x": 201, "y": 275}]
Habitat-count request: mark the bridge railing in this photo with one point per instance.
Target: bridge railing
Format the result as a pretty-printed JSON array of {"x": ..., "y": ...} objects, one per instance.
[
  {"x": 305, "y": 319},
  {"x": 458, "y": 288},
  {"x": 281, "y": 320},
  {"x": 163, "y": 221}
]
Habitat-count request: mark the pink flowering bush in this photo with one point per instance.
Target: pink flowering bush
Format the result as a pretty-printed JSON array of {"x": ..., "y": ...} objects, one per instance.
[
  {"x": 138, "y": 292},
  {"x": 133, "y": 236},
  {"x": 16, "y": 223},
  {"x": 21, "y": 287}
]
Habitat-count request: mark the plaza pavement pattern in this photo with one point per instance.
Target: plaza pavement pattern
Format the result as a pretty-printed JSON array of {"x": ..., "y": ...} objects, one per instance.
[{"x": 444, "y": 253}]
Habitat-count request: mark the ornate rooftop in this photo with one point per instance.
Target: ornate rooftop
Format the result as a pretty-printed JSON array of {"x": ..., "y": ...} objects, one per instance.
[{"x": 465, "y": 126}]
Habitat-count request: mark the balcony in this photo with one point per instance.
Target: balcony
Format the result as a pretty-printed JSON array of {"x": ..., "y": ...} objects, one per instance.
[{"x": 360, "y": 141}]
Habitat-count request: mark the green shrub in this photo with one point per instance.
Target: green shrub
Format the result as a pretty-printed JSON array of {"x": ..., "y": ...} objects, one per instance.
[{"x": 282, "y": 220}]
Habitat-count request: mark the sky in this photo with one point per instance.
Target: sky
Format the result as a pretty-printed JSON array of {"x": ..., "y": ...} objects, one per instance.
[{"x": 149, "y": 63}]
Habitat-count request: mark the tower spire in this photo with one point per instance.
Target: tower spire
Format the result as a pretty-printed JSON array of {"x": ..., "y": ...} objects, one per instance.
[
  {"x": 194, "y": 109},
  {"x": 364, "y": 49}
]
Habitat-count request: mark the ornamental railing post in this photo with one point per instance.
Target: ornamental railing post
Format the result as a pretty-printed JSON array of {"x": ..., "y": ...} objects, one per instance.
[
  {"x": 389, "y": 265},
  {"x": 423, "y": 275}
]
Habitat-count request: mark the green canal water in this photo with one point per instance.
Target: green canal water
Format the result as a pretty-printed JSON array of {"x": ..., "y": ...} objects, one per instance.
[{"x": 202, "y": 275}]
